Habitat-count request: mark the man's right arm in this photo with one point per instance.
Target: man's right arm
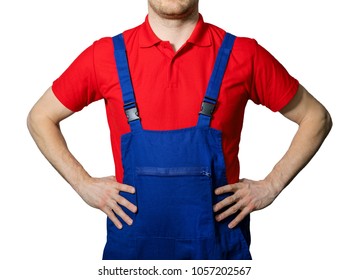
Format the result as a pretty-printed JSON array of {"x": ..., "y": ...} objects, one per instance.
[{"x": 102, "y": 193}]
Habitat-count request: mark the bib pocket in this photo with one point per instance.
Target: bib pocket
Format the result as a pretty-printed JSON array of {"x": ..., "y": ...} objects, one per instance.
[{"x": 174, "y": 202}]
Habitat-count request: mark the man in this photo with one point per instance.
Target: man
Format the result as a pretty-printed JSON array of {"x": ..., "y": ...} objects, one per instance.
[{"x": 175, "y": 90}]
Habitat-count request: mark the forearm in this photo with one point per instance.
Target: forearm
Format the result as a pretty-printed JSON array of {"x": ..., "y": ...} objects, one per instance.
[
  {"x": 311, "y": 133},
  {"x": 247, "y": 195},
  {"x": 49, "y": 139},
  {"x": 102, "y": 193}
]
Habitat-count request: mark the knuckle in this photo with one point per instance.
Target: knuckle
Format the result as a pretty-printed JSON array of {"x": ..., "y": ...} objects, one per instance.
[
  {"x": 108, "y": 212},
  {"x": 252, "y": 207},
  {"x": 116, "y": 208},
  {"x": 234, "y": 209},
  {"x": 230, "y": 199},
  {"x": 102, "y": 204},
  {"x": 121, "y": 200},
  {"x": 118, "y": 186},
  {"x": 236, "y": 197}
]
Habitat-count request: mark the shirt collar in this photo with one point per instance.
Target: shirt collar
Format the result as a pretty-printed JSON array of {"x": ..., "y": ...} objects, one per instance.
[{"x": 200, "y": 35}]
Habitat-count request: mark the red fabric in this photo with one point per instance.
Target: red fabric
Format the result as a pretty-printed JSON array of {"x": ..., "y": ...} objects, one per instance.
[{"x": 169, "y": 87}]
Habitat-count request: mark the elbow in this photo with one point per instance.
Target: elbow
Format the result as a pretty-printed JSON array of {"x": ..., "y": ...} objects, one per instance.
[
  {"x": 327, "y": 122},
  {"x": 322, "y": 122},
  {"x": 318, "y": 120},
  {"x": 30, "y": 121},
  {"x": 35, "y": 120}
]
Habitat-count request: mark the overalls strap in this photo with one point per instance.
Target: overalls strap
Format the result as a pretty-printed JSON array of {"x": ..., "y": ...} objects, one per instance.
[
  {"x": 212, "y": 93},
  {"x": 130, "y": 106},
  {"x": 211, "y": 96}
]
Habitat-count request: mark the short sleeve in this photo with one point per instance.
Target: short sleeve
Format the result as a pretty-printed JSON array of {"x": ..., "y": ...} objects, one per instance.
[
  {"x": 77, "y": 86},
  {"x": 272, "y": 86}
]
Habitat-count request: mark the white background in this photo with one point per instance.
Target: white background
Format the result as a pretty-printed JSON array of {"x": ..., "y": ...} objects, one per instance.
[{"x": 48, "y": 231}]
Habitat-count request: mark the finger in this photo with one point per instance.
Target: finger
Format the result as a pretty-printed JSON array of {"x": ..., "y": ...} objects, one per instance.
[
  {"x": 125, "y": 188},
  {"x": 226, "y": 202},
  {"x": 239, "y": 218},
  {"x": 119, "y": 211},
  {"x": 227, "y": 189},
  {"x": 121, "y": 187},
  {"x": 111, "y": 215},
  {"x": 230, "y": 211},
  {"x": 126, "y": 203}
]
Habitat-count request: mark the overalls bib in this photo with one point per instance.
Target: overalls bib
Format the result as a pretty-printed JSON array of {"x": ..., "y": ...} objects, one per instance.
[{"x": 174, "y": 173}]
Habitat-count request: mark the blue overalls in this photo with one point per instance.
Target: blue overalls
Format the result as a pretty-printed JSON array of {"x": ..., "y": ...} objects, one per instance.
[{"x": 174, "y": 173}]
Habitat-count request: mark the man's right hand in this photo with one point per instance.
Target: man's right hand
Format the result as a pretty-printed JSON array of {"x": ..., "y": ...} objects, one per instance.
[{"x": 104, "y": 194}]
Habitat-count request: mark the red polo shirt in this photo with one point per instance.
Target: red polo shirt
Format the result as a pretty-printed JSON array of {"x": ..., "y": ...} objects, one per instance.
[{"x": 169, "y": 87}]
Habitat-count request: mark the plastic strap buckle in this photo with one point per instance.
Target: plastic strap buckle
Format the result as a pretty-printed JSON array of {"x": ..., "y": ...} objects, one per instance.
[
  {"x": 131, "y": 111},
  {"x": 208, "y": 106}
]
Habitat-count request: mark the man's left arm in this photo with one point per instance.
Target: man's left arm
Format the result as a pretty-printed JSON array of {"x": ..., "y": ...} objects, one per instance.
[{"x": 314, "y": 124}]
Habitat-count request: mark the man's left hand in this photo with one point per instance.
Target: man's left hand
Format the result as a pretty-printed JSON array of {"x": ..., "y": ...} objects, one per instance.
[{"x": 247, "y": 196}]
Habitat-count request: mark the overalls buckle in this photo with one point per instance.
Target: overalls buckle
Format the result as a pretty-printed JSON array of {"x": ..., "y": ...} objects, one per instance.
[
  {"x": 131, "y": 111},
  {"x": 207, "y": 109}
]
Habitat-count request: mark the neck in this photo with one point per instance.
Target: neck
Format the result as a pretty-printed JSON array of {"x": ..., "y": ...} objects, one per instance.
[{"x": 175, "y": 30}]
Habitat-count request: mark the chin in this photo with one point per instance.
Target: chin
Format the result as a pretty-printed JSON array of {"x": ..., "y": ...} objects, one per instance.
[{"x": 174, "y": 9}]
